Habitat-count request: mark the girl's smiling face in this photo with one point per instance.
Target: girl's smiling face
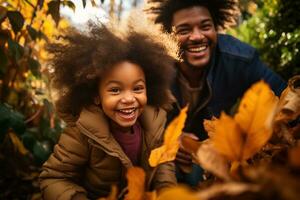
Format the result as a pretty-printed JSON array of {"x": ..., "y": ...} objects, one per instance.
[{"x": 122, "y": 92}]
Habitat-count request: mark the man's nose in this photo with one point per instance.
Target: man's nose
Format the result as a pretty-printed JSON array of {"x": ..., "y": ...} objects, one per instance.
[{"x": 196, "y": 34}]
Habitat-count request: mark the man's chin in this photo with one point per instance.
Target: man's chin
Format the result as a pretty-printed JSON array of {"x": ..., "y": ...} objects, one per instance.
[{"x": 197, "y": 64}]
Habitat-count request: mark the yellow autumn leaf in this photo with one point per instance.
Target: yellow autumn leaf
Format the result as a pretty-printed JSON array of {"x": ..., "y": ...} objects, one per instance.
[
  {"x": 256, "y": 116},
  {"x": 241, "y": 137},
  {"x": 167, "y": 152},
  {"x": 210, "y": 126},
  {"x": 228, "y": 138},
  {"x": 136, "y": 184},
  {"x": 178, "y": 193}
]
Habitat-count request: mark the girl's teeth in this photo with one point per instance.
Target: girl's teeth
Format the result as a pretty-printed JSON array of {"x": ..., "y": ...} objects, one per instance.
[{"x": 127, "y": 111}]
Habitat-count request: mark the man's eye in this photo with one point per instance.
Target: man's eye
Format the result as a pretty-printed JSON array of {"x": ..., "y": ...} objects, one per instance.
[
  {"x": 206, "y": 27},
  {"x": 182, "y": 31}
]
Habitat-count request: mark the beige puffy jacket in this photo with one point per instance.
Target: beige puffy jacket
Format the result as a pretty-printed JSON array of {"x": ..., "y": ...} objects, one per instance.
[{"x": 88, "y": 160}]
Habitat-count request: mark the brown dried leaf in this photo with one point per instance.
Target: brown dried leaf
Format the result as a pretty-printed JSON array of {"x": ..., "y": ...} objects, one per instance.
[
  {"x": 212, "y": 161},
  {"x": 294, "y": 156},
  {"x": 289, "y": 103}
]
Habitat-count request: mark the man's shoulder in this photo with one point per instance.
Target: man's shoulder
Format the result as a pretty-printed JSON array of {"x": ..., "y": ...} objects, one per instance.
[{"x": 231, "y": 46}]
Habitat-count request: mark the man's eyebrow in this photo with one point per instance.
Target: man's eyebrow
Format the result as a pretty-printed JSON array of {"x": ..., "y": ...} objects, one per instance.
[{"x": 206, "y": 20}]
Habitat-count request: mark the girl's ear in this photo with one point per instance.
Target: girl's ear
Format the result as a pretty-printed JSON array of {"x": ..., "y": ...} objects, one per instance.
[{"x": 97, "y": 100}]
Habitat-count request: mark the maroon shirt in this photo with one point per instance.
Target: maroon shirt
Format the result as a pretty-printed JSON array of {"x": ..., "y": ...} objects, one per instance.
[{"x": 131, "y": 143}]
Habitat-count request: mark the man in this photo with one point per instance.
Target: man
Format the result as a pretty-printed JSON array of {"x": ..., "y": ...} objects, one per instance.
[{"x": 215, "y": 71}]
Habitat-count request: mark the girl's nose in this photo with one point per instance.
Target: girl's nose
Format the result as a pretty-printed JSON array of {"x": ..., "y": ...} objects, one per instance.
[{"x": 128, "y": 98}]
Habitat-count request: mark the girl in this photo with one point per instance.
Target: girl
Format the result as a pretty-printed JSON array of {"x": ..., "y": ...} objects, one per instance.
[{"x": 112, "y": 84}]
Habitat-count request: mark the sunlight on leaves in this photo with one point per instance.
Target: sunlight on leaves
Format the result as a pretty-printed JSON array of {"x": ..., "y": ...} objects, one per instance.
[{"x": 168, "y": 150}]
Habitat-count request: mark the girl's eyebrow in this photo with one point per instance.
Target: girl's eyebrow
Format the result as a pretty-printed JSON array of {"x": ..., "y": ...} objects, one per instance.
[{"x": 119, "y": 82}]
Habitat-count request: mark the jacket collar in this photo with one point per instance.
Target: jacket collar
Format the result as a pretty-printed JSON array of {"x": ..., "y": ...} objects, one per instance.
[{"x": 94, "y": 124}]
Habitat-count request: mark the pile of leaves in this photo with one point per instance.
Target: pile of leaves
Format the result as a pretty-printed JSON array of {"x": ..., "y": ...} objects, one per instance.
[{"x": 251, "y": 155}]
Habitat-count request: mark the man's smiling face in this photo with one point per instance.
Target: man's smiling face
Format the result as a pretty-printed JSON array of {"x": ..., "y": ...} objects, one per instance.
[{"x": 196, "y": 33}]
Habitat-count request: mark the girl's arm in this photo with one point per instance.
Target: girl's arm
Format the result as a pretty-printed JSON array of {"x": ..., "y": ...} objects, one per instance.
[{"x": 60, "y": 176}]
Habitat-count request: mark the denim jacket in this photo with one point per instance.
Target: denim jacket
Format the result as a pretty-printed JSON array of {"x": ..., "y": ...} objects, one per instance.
[{"x": 234, "y": 67}]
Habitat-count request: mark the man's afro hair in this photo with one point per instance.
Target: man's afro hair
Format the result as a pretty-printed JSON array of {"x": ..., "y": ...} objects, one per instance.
[{"x": 223, "y": 12}]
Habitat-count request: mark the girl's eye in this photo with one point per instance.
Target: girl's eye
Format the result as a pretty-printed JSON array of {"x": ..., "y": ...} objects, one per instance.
[
  {"x": 139, "y": 88},
  {"x": 114, "y": 90}
]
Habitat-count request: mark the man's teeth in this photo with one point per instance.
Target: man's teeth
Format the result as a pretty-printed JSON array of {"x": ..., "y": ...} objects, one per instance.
[{"x": 197, "y": 49}]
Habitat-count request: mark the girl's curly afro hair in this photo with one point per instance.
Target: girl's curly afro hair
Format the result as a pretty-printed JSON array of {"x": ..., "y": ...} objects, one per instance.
[
  {"x": 80, "y": 58},
  {"x": 223, "y": 12}
]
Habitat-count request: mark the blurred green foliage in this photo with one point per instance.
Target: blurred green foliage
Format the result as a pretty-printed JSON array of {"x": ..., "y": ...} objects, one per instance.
[{"x": 274, "y": 29}]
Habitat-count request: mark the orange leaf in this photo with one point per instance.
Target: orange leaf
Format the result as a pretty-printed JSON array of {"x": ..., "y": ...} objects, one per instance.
[
  {"x": 256, "y": 116},
  {"x": 228, "y": 139},
  {"x": 178, "y": 193},
  {"x": 136, "y": 183},
  {"x": 210, "y": 126},
  {"x": 167, "y": 152},
  {"x": 240, "y": 138}
]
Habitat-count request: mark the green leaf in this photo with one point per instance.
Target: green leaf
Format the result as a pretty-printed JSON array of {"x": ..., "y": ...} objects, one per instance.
[
  {"x": 16, "y": 20},
  {"x": 84, "y": 3},
  {"x": 28, "y": 140},
  {"x": 11, "y": 119},
  {"x": 32, "y": 32},
  {"x": 3, "y": 61},
  {"x": 3, "y": 14},
  {"x": 4, "y": 36},
  {"x": 34, "y": 67},
  {"x": 42, "y": 150},
  {"x": 15, "y": 49},
  {"x": 70, "y": 4},
  {"x": 53, "y": 10}
]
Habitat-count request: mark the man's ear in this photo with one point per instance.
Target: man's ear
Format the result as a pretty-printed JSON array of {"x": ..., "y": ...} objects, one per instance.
[{"x": 97, "y": 100}]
